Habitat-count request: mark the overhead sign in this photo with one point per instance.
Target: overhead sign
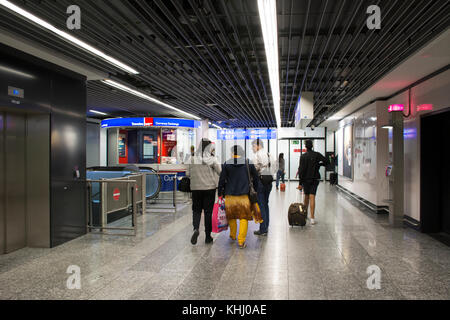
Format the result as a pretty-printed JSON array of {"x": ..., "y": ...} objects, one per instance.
[
  {"x": 249, "y": 134},
  {"x": 150, "y": 122},
  {"x": 16, "y": 92},
  {"x": 396, "y": 107},
  {"x": 123, "y": 122}
]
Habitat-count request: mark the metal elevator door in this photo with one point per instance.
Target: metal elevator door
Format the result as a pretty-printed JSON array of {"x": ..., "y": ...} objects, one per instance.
[{"x": 13, "y": 180}]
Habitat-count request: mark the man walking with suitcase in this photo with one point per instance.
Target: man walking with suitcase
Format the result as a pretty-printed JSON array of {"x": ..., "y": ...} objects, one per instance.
[{"x": 309, "y": 176}]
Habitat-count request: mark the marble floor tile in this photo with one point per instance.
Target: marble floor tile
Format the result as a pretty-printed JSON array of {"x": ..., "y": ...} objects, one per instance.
[{"x": 325, "y": 261}]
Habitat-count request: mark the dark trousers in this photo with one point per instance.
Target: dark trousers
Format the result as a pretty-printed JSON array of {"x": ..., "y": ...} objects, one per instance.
[
  {"x": 203, "y": 200},
  {"x": 263, "y": 202},
  {"x": 280, "y": 175}
]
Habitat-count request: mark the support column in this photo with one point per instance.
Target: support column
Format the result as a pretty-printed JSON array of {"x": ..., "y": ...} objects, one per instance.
[
  {"x": 202, "y": 132},
  {"x": 396, "y": 216}
]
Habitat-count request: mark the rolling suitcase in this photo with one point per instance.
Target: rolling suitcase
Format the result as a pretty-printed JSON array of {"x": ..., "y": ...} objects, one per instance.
[
  {"x": 297, "y": 214},
  {"x": 283, "y": 187}
]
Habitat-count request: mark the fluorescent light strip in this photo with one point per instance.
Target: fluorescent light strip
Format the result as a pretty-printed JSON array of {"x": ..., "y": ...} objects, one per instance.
[
  {"x": 146, "y": 97},
  {"x": 215, "y": 126},
  {"x": 98, "y": 112},
  {"x": 268, "y": 16},
  {"x": 67, "y": 36}
]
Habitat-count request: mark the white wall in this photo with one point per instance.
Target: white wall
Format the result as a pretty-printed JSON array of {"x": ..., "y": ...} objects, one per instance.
[
  {"x": 330, "y": 141},
  {"x": 103, "y": 146},
  {"x": 435, "y": 91},
  {"x": 364, "y": 182}
]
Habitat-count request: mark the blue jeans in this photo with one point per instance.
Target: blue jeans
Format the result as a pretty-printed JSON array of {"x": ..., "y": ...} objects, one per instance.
[
  {"x": 263, "y": 202},
  {"x": 280, "y": 175}
]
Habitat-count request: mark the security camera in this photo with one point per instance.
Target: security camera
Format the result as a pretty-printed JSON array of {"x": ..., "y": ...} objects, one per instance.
[{"x": 312, "y": 128}]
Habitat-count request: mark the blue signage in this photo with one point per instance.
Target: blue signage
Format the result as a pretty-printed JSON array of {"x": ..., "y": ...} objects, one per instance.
[
  {"x": 123, "y": 122},
  {"x": 185, "y": 123},
  {"x": 150, "y": 122},
  {"x": 249, "y": 134}
]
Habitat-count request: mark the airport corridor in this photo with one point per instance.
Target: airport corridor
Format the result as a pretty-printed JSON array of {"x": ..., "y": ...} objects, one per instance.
[{"x": 325, "y": 261}]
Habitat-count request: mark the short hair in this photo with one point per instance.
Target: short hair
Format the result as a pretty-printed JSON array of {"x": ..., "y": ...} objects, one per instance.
[
  {"x": 309, "y": 144},
  {"x": 237, "y": 150},
  {"x": 258, "y": 143}
]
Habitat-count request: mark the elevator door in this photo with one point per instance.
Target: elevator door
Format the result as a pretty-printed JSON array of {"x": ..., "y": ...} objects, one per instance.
[
  {"x": 14, "y": 182},
  {"x": 435, "y": 173}
]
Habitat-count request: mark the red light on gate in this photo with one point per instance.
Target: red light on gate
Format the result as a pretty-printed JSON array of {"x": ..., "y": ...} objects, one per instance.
[
  {"x": 424, "y": 107},
  {"x": 396, "y": 107}
]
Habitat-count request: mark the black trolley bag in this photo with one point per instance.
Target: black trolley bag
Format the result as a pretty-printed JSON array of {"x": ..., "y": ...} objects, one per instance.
[{"x": 297, "y": 214}]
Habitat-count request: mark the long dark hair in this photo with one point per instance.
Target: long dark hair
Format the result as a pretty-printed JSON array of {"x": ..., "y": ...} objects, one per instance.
[{"x": 281, "y": 156}]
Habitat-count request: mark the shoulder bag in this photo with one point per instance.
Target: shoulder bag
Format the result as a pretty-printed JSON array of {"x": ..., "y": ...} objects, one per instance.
[{"x": 252, "y": 194}]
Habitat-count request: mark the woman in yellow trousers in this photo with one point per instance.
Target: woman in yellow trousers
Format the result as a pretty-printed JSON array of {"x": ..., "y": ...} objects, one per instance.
[{"x": 234, "y": 184}]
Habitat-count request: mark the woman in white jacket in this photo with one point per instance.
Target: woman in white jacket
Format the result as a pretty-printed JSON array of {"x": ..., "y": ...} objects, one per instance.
[{"x": 204, "y": 174}]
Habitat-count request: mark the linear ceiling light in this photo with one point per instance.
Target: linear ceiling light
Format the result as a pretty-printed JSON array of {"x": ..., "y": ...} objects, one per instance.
[
  {"x": 268, "y": 16},
  {"x": 215, "y": 125},
  {"x": 67, "y": 36},
  {"x": 98, "y": 112},
  {"x": 146, "y": 97}
]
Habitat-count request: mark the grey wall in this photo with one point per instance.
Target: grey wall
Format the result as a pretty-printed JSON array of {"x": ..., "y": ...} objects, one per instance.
[
  {"x": 93, "y": 145},
  {"x": 2, "y": 185},
  {"x": 61, "y": 95},
  {"x": 37, "y": 180},
  {"x": 113, "y": 152}
]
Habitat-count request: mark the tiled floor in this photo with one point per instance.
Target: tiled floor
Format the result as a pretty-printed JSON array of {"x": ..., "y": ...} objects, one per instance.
[{"x": 325, "y": 261}]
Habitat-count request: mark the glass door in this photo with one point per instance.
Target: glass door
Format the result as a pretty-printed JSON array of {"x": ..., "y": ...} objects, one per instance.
[{"x": 295, "y": 151}]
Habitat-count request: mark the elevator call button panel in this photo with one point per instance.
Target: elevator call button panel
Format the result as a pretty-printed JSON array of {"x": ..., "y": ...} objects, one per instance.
[{"x": 16, "y": 92}]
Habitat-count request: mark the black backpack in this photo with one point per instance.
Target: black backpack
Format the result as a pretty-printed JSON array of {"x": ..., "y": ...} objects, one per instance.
[
  {"x": 267, "y": 179},
  {"x": 185, "y": 185}
]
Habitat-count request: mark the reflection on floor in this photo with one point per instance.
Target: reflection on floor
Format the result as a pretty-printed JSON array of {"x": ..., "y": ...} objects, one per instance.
[{"x": 325, "y": 261}]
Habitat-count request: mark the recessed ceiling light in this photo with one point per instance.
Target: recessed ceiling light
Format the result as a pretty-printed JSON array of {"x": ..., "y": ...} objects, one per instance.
[
  {"x": 214, "y": 125},
  {"x": 146, "y": 97},
  {"x": 69, "y": 38},
  {"x": 98, "y": 112},
  {"x": 268, "y": 16}
]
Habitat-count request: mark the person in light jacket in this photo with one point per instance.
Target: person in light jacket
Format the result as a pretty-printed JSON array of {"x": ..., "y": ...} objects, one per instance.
[{"x": 204, "y": 173}]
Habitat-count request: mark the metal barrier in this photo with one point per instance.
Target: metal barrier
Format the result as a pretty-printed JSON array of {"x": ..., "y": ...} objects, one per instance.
[
  {"x": 173, "y": 199},
  {"x": 117, "y": 194}
]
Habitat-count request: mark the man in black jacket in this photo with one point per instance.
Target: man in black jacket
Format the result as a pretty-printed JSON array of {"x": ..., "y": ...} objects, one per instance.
[{"x": 309, "y": 175}]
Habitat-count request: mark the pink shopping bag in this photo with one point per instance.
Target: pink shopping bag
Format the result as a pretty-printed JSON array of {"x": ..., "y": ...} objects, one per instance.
[{"x": 219, "y": 218}]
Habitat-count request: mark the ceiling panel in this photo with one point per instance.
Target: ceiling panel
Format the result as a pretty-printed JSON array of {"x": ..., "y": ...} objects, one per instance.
[{"x": 207, "y": 57}]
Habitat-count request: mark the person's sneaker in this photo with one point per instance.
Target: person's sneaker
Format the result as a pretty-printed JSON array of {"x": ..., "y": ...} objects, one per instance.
[
  {"x": 313, "y": 222},
  {"x": 195, "y": 236},
  {"x": 259, "y": 233},
  {"x": 209, "y": 240},
  {"x": 243, "y": 246}
]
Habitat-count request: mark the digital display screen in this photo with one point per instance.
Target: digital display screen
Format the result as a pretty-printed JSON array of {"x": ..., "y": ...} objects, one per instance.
[
  {"x": 148, "y": 147},
  {"x": 243, "y": 134}
]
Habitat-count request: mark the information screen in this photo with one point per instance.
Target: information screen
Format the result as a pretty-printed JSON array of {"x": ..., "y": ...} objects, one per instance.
[{"x": 148, "y": 147}]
